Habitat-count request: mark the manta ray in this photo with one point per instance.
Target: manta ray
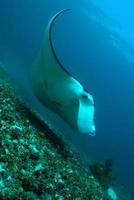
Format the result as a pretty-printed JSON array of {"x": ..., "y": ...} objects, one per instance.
[{"x": 57, "y": 89}]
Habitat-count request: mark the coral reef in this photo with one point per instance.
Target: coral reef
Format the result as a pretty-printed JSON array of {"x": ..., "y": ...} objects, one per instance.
[
  {"x": 35, "y": 162},
  {"x": 104, "y": 173}
]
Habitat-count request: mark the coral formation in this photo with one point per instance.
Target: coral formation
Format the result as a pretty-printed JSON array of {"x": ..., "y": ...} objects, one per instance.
[
  {"x": 104, "y": 173},
  {"x": 35, "y": 162}
]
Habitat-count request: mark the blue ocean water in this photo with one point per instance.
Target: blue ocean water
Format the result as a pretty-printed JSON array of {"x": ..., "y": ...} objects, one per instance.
[{"x": 94, "y": 43}]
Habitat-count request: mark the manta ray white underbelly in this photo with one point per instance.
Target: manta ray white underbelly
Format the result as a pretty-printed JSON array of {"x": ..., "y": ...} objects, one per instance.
[{"x": 56, "y": 88}]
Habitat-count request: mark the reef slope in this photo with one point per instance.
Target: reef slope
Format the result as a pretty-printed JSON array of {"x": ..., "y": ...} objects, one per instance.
[{"x": 36, "y": 162}]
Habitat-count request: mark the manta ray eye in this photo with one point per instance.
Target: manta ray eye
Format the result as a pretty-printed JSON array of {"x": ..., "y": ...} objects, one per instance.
[
  {"x": 88, "y": 97},
  {"x": 85, "y": 96}
]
